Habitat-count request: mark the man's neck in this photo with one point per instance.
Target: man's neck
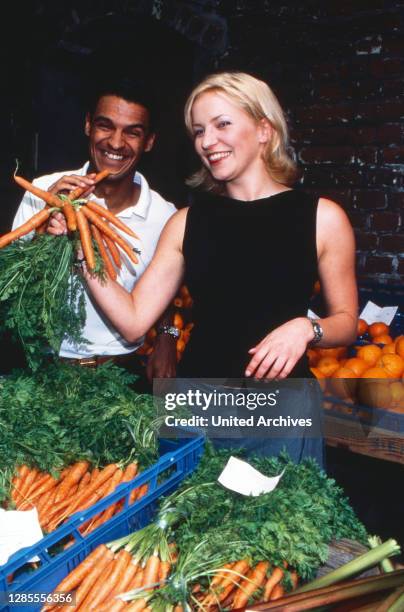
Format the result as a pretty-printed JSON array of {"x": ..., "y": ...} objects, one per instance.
[{"x": 119, "y": 195}]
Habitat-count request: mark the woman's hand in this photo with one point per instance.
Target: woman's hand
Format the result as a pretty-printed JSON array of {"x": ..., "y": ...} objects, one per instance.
[
  {"x": 277, "y": 354},
  {"x": 73, "y": 181}
]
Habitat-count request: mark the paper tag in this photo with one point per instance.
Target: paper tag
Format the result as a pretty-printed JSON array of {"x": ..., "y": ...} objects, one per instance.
[
  {"x": 241, "y": 477},
  {"x": 18, "y": 529},
  {"x": 312, "y": 314},
  {"x": 372, "y": 313}
]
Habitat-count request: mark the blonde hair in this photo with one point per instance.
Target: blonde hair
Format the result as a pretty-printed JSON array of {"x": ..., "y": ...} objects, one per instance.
[{"x": 257, "y": 99}]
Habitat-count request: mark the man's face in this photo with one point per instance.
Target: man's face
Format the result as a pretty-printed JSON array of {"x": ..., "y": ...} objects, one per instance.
[{"x": 118, "y": 134}]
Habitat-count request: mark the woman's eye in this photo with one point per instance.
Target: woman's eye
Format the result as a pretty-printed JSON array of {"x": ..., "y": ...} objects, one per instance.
[
  {"x": 198, "y": 133},
  {"x": 223, "y": 124}
]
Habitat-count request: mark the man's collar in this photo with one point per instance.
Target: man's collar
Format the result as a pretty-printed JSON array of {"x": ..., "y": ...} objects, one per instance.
[{"x": 141, "y": 208}]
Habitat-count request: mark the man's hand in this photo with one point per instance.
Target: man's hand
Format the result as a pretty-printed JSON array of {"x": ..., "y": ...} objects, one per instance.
[
  {"x": 162, "y": 362},
  {"x": 72, "y": 181},
  {"x": 57, "y": 224}
]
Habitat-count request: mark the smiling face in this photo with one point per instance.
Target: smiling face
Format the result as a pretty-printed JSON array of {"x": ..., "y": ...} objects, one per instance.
[
  {"x": 118, "y": 134},
  {"x": 228, "y": 140}
]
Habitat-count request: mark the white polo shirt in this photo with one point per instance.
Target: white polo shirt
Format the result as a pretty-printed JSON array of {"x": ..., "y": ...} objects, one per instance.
[{"x": 147, "y": 219}]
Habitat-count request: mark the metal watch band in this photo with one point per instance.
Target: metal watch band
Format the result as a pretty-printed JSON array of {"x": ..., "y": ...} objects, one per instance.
[
  {"x": 318, "y": 331},
  {"x": 169, "y": 330}
]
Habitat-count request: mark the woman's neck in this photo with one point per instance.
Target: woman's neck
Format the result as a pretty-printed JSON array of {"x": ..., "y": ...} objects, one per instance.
[{"x": 253, "y": 187}]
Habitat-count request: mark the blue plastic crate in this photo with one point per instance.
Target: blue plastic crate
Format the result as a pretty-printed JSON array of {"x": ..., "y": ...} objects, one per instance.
[
  {"x": 366, "y": 415},
  {"x": 178, "y": 459}
]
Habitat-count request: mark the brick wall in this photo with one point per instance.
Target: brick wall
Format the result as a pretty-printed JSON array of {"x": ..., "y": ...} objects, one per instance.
[{"x": 338, "y": 69}]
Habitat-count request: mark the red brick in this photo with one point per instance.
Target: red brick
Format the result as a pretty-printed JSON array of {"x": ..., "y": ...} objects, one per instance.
[
  {"x": 390, "y": 110},
  {"x": 370, "y": 199},
  {"x": 396, "y": 199},
  {"x": 385, "y": 221},
  {"x": 392, "y": 133},
  {"x": 335, "y": 135},
  {"x": 365, "y": 241},
  {"x": 333, "y": 91},
  {"x": 392, "y": 88},
  {"x": 366, "y": 155},
  {"x": 344, "y": 177},
  {"x": 317, "y": 176},
  {"x": 400, "y": 268},
  {"x": 359, "y": 220},
  {"x": 384, "y": 67},
  {"x": 390, "y": 176},
  {"x": 364, "y": 135},
  {"x": 333, "y": 70},
  {"x": 393, "y": 45},
  {"x": 378, "y": 265},
  {"x": 393, "y": 155},
  {"x": 327, "y": 155},
  {"x": 393, "y": 243}
]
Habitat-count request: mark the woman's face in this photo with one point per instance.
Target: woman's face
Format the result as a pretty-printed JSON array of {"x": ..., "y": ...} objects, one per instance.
[{"x": 227, "y": 139}]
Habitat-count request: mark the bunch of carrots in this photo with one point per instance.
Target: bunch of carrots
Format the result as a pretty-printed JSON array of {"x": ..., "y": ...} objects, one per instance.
[
  {"x": 91, "y": 220},
  {"x": 78, "y": 487},
  {"x": 115, "y": 581}
]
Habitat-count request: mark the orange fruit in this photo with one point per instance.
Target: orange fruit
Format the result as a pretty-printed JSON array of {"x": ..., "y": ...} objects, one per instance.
[
  {"x": 178, "y": 302},
  {"x": 327, "y": 365},
  {"x": 178, "y": 321},
  {"x": 343, "y": 383},
  {"x": 400, "y": 346},
  {"x": 316, "y": 287},
  {"x": 357, "y": 365},
  {"x": 362, "y": 327},
  {"x": 376, "y": 329},
  {"x": 382, "y": 339},
  {"x": 397, "y": 394},
  {"x": 369, "y": 353},
  {"x": 312, "y": 356},
  {"x": 344, "y": 372},
  {"x": 389, "y": 349},
  {"x": 393, "y": 364},
  {"x": 336, "y": 351},
  {"x": 375, "y": 372},
  {"x": 317, "y": 373},
  {"x": 180, "y": 345},
  {"x": 373, "y": 393}
]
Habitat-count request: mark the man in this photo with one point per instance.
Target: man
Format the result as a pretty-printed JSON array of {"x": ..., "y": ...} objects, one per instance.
[{"x": 120, "y": 130}]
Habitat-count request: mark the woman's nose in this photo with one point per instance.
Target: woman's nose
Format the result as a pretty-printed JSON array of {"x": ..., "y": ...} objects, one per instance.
[{"x": 208, "y": 139}]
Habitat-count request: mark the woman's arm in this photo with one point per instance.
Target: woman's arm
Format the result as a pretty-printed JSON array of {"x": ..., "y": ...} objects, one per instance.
[
  {"x": 133, "y": 314},
  {"x": 277, "y": 354}
]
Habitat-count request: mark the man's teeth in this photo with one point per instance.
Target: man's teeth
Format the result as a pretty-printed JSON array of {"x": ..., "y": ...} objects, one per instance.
[
  {"x": 113, "y": 156},
  {"x": 216, "y": 156}
]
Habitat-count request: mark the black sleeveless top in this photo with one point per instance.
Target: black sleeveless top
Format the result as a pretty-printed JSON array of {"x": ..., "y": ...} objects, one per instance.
[{"x": 249, "y": 266}]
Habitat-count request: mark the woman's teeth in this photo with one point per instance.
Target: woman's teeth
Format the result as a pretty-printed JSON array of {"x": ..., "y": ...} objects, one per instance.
[{"x": 216, "y": 156}]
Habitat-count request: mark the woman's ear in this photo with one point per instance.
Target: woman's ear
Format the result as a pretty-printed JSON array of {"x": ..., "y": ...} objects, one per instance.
[{"x": 265, "y": 131}]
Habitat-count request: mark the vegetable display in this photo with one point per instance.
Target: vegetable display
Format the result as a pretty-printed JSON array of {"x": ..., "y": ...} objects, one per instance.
[{"x": 212, "y": 549}]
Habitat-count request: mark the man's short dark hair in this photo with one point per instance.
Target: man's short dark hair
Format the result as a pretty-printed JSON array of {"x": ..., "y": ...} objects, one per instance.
[{"x": 131, "y": 90}]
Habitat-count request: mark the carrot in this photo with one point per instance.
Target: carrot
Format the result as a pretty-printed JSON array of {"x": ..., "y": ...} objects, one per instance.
[
  {"x": 46, "y": 486},
  {"x": 128, "y": 576},
  {"x": 94, "y": 474},
  {"x": 294, "y": 579},
  {"x": 17, "y": 482},
  {"x": 26, "y": 227},
  {"x": 78, "y": 192},
  {"x": 277, "y": 592},
  {"x": 103, "y": 252},
  {"x": 179, "y": 608},
  {"x": 70, "y": 214},
  {"x": 137, "y": 581},
  {"x": 84, "y": 481},
  {"x": 248, "y": 587},
  {"x": 43, "y": 511},
  {"x": 75, "y": 578},
  {"x": 115, "y": 605},
  {"x": 72, "y": 477},
  {"x": 42, "y": 228},
  {"x": 165, "y": 568},
  {"x": 113, "y": 249},
  {"x": 94, "y": 581},
  {"x": 85, "y": 238},
  {"x": 109, "y": 216},
  {"x": 275, "y": 577},
  {"x": 46, "y": 196},
  {"x": 101, "y": 478},
  {"x": 27, "y": 482},
  {"x": 106, "y": 514},
  {"x": 138, "y": 605},
  {"x": 108, "y": 231},
  {"x": 218, "y": 577},
  {"x": 151, "y": 571},
  {"x": 122, "y": 560}
]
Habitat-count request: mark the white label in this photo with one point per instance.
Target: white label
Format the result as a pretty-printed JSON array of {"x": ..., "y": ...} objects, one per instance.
[
  {"x": 241, "y": 477},
  {"x": 18, "y": 529},
  {"x": 372, "y": 313}
]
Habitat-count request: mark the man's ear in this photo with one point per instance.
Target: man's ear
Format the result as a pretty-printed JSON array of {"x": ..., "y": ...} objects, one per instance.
[
  {"x": 265, "y": 131},
  {"x": 150, "y": 142},
  {"x": 87, "y": 124}
]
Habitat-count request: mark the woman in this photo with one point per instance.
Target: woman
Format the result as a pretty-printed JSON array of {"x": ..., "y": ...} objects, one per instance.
[{"x": 250, "y": 250}]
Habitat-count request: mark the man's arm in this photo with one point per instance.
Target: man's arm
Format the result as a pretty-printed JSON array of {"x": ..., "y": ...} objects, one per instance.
[{"x": 162, "y": 362}]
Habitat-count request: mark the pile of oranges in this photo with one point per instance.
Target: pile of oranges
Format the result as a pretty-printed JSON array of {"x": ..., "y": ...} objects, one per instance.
[
  {"x": 183, "y": 302},
  {"x": 373, "y": 377}
]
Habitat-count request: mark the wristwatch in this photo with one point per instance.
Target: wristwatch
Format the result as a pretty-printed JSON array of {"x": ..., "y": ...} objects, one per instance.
[
  {"x": 318, "y": 331},
  {"x": 169, "y": 330}
]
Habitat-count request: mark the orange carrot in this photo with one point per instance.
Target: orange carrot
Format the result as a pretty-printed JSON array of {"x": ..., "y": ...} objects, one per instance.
[
  {"x": 70, "y": 214},
  {"x": 27, "y": 482},
  {"x": 108, "y": 231},
  {"x": 42, "y": 501},
  {"x": 78, "y": 192},
  {"x": 137, "y": 580},
  {"x": 94, "y": 474},
  {"x": 46, "y": 196},
  {"x": 75, "y": 578},
  {"x": 85, "y": 238},
  {"x": 165, "y": 568},
  {"x": 113, "y": 249},
  {"x": 42, "y": 228},
  {"x": 84, "y": 481},
  {"x": 90, "y": 579},
  {"x": 294, "y": 579},
  {"x": 26, "y": 227},
  {"x": 275, "y": 577},
  {"x": 102, "y": 477},
  {"x": 72, "y": 477},
  {"x": 179, "y": 608},
  {"x": 277, "y": 592},
  {"x": 218, "y": 577},
  {"x": 43, "y": 512},
  {"x": 109, "y": 216},
  {"x": 127, "y": 577},
  {"x": 253, "y": 582},
  {"x": 151, "y": 571},
  {"x": 103, "y": 252},
  {"x": 122, "y": 560},
  {"x": 46, "y": 485},
  {"x": 104, "y": 516},
  {"x": 114, "y": 605},
  {"x": 97, "y": 581},
  {"x": 22, "y": 473}
]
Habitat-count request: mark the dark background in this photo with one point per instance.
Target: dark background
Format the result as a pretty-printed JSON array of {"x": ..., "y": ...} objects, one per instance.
[{"x": 337, "y": 67}]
